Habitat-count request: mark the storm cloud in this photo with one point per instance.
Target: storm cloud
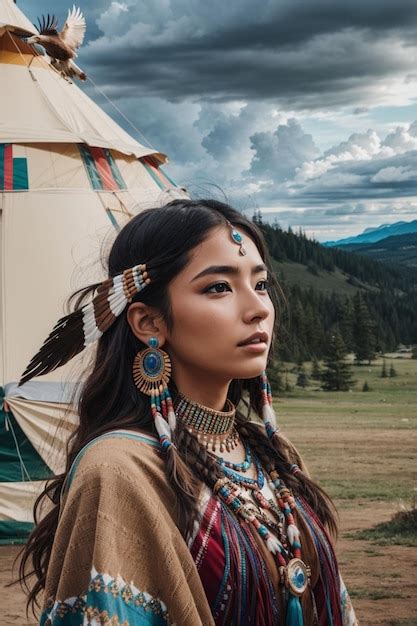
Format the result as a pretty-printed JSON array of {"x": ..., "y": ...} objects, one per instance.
[{"x": 289, "y": 106}]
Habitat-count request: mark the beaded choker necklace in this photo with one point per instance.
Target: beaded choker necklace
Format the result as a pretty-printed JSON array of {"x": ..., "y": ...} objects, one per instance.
[{"x": 212, "y": 428}]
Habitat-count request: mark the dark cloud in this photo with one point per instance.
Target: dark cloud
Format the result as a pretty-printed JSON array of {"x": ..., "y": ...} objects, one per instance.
[
  {"x": 298, "y": 53},
  {"x": 215, "y": 85}
]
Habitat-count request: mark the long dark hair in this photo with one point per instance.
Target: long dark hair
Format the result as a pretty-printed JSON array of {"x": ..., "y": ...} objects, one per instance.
[{"x": 163, "y": 239}]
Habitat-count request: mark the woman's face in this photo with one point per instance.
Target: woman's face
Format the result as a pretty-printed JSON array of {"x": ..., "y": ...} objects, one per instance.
[{"x": 218, "y": 301}]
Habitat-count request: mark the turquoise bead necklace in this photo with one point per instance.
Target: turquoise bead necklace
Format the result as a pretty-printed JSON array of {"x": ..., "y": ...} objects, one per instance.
[{"x": 244, "y": 466}]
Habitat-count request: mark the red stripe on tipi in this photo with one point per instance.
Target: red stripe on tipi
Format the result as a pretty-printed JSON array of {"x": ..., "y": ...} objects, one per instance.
[
  {"x": 8, "y": 167},
  {"x": 104, "y": 169},
  {"x": 157, "y": 171}
]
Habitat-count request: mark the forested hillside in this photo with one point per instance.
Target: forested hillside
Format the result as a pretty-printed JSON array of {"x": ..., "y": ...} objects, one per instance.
[
  {"x": 364, "y": 298},
  {"x": 400, "y": 249}
]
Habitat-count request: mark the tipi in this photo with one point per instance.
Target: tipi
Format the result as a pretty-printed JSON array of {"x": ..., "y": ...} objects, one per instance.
[{"x": 69, "y": 178}]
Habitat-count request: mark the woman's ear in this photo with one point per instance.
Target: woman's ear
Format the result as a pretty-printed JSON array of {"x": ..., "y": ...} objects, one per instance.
[{"x": 146, "y": 322}]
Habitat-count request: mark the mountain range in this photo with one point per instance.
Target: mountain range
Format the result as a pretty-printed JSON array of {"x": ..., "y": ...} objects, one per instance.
[
  {"x": 372, "y": 235},
  {"x": 399, "y": 249}
]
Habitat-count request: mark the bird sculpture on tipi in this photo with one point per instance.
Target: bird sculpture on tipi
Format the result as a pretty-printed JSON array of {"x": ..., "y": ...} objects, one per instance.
[{"x": 62, "y": 47}]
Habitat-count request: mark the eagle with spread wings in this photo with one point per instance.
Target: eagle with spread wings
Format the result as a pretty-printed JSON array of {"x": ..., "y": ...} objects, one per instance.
[{"x": 62, "y": 47}]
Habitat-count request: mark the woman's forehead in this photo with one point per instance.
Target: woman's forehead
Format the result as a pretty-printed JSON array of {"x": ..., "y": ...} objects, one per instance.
[{"x": 220, "y": 249}]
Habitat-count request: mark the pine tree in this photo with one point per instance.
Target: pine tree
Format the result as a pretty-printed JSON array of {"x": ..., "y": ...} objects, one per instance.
[
  {"x": 384, "y": 370},
  {"x": 315, "y": 369},
  {"x": 275, "y": 377},
  {"x": 363, "y": 331},
  {"x": 366, "y": 387},
  {"x": 338, "y": 374},
  {"x": 302, "y": 378},
  {"x": 288, "y": 387},
  {"x": 392, "y": 371},
  {"x": 346, "y": 324}
]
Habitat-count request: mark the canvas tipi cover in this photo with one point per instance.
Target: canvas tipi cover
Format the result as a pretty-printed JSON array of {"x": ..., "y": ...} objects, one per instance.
[{"x": 69, "y": 178}]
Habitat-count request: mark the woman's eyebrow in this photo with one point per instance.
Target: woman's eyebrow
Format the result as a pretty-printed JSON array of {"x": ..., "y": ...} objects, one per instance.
[{"x": 229, "y": 269}]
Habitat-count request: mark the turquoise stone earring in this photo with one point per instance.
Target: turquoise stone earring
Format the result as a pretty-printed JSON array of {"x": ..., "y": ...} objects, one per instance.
[
  {"x": 151, "y": 373},
  {"x": 151, "y": 369}
]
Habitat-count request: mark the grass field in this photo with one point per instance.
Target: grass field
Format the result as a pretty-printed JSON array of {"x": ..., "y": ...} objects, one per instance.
[{"x": 362, "y": 448}]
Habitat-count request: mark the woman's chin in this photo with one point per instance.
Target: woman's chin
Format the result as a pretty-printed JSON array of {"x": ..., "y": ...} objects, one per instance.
[{"x": 252, "y": 371}]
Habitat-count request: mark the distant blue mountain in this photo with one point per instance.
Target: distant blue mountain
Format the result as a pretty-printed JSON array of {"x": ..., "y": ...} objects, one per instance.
[{"x": 371, "y": 235}]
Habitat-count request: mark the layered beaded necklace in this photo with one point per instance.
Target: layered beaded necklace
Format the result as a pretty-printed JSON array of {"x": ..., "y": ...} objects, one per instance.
[
  {"x": 286, "y": 546},
  {"x": 216, "y": 429}
]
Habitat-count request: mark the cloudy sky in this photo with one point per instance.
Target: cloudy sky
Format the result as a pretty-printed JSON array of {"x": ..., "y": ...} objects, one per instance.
[{"x": 304, "y": 109}]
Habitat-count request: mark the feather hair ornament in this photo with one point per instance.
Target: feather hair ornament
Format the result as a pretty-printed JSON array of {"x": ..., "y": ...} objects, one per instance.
[
  {"x": 269, "y": 417},
  {"x": 73, "y": 332}
]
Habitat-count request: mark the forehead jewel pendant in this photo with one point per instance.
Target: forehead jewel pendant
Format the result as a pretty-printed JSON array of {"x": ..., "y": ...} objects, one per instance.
[{"x": 237, "y": 238}]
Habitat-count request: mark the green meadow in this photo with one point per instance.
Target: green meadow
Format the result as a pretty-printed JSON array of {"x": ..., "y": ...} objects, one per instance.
[
  {"x": 358, "y": 445},
  {"x": 362, "y": 448}
]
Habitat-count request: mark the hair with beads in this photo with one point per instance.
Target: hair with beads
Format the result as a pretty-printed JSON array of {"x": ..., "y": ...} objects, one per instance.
[{"x": 163, "y": 239}]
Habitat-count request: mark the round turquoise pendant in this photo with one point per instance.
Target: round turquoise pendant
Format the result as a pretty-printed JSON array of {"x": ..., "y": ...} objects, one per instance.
[{"x": 297, "y": 576}]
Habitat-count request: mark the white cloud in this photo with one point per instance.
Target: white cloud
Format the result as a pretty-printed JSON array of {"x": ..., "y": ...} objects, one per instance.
[
  {"x": 108, "y": 20},
  {"x": 394, "y": 175},
  {"x": 402, "y": 139},
  {"x": 279, "y": 153}
]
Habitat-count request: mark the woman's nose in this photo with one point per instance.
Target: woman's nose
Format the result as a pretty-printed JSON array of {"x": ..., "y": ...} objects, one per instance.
[{"x": 257, "y": 306}]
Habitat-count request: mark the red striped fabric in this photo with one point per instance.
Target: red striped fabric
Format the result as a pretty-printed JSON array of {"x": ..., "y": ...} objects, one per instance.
[
  {"x": 8, "y": 167},
  {"x": 104, "y": 170},
  {"x": 166, "y": 183}
]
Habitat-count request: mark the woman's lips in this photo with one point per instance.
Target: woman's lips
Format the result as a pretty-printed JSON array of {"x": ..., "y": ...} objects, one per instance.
[{"x": 259, "y": 346}]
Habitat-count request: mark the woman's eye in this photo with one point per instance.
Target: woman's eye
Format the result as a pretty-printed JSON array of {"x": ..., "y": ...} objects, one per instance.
[
  {"x": 218, "y": 288},
  {"x": 265, "y": 283}
]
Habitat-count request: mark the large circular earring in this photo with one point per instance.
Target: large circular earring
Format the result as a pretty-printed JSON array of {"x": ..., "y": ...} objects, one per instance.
[
  {"x": 151, "y": 369},
  {"x": 151, "y": 374}
]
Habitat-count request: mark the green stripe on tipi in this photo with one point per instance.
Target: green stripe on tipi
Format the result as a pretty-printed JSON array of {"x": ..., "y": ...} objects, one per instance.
[
  {"x": 20, "y": 173},
  {"x": 153, "y": 175},
  {"x": 174, "y": 184},
  {"x": 115, "y": 170},
  {"x": 11, "y": 469},
  {"x": 14, "y": 532},
  {"x": 90, "y": 166}
]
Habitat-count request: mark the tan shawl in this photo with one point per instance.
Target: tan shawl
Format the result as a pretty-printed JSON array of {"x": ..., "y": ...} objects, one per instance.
[{"x": 118, "y": 519}]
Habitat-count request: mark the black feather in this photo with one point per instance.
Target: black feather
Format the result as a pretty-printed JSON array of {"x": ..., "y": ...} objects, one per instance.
[
  {"x": 48, "y": 26},
  {"x": 64, "y": 341}
]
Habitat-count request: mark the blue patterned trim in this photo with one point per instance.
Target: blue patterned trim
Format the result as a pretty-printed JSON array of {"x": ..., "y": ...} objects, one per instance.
[{"x": 107, "y": 601}]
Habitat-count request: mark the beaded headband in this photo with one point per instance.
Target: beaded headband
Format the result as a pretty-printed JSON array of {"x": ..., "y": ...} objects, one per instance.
[{"x": 72, "y": 333}]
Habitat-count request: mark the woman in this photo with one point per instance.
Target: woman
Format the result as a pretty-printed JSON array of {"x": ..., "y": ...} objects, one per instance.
[{"x": 175, "y": 507}]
